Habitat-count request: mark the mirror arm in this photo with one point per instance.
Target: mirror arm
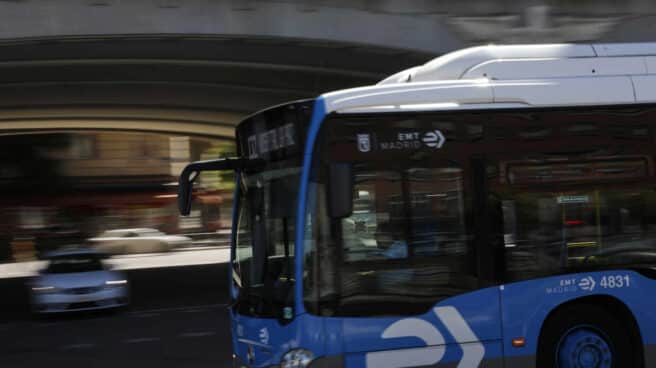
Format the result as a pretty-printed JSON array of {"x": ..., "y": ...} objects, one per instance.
[{"x": 186, "y": 180}]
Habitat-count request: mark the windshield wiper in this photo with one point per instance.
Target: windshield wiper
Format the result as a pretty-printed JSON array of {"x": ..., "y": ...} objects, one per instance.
[
  {"x": 285, "y": 239},
  {"x": 236, "y": 276}
]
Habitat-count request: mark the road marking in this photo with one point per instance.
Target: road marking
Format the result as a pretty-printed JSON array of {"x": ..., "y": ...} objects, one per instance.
[
  {"x": 197, "y": 334},
  {"x": 178, "y": 309},
  {"x": 140, "y": 340},
  {"x": 78, "y": 346},
  {"x": 193, "y": 310},
  {"x": 145, "y": 315},
  {"x": 20, "y": 324},
  {"x": 47, "y": 324}
]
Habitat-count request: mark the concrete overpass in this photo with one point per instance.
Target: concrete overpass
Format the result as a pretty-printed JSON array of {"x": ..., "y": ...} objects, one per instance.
[
  {"x": 199, "y": 66},
  {"x": 152, "y": 65},
  {"x": 220, "y": 79}
]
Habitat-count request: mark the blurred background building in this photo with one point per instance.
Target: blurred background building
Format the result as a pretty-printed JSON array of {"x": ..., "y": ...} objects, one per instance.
[
  {"x": 62, "y": 188},
  {"x": 102, "y": 102}
]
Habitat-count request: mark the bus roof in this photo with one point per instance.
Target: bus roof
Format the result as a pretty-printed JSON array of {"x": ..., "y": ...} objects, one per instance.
[
  {"x": 529, "y": 61},
  {"x": 513, "y": 76}
]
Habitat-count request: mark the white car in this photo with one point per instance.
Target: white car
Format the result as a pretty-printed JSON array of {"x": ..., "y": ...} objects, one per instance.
[
  {"x": 76, "y": 280},
  {"x": 140, "y": 240}
]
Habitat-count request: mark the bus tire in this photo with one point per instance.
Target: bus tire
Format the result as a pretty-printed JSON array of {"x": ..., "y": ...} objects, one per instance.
[{"x": 585, "y": 335}]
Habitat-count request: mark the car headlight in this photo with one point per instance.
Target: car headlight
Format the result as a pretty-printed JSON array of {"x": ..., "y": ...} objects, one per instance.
[
  {"x": 297, "y": 358},
  {"x": 44, "y": 289},
  {"x": 116, "y": 283}
]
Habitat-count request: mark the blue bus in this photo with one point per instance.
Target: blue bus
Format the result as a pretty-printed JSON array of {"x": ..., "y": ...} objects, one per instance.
[{"x": 495, "y": 207}]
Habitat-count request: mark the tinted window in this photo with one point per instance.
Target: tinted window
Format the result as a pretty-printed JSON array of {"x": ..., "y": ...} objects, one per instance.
[
  {"x": 579, "y": 198},
  {"x": 445, "y": 203},
  {"x": 401, "y": 214},
  {"x": 406, "y": 244}
]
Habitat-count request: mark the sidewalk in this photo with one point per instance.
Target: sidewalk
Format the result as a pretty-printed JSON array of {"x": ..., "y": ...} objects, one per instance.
[{"x": 184, "y": 257}]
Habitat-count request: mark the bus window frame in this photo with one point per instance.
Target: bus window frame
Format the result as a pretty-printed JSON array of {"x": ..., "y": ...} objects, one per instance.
[{"x": 488, "y": 237}]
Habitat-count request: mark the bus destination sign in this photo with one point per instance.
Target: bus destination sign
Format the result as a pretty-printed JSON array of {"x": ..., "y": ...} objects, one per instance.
[{"x": 271, "y": 141}]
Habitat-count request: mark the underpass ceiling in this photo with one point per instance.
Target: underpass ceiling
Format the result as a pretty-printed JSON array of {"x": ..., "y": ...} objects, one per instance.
[
  {"x": 164, "y": 120},
  {"x": 263, "y": 70},
  {"x": 227, "y": 77}
]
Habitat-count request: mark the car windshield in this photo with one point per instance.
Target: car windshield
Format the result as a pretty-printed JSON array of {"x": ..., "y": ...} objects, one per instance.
[{"x": 75, "y": 263}]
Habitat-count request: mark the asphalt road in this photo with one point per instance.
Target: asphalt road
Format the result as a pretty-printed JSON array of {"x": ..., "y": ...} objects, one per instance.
[{"x": 177, "y": 318}]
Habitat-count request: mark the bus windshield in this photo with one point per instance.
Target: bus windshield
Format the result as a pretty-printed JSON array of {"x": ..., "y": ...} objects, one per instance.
[
  {"x": 263, "y": 264},
  {"x": 265, "y": 220}
]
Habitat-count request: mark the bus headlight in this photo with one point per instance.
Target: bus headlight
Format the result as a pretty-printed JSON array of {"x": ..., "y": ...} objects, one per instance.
[{"x": 297, "y": 358}]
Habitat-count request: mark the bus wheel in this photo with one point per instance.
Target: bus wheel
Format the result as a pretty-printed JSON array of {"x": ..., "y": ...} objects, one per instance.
[{"x": 585, "y": 336}]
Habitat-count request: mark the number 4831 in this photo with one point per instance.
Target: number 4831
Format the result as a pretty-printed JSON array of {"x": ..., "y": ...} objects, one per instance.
[{"x": 615, "y": 281}]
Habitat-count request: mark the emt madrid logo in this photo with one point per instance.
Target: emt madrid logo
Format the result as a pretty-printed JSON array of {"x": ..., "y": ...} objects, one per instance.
[
  {"x": 434, "y": 139},
  {"x": 364, "y": 143},
  {"x": 404, "y": 140}
]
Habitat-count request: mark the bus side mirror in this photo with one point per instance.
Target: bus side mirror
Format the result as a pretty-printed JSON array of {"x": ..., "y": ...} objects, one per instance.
[
  {"x": 190, "y": 174},
  {"x": 185, "y": 186},
  {"x": 340, "y": 190}
]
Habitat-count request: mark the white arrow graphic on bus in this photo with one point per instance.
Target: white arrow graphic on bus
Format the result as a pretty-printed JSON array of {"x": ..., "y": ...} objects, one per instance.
[
  {"x": 411, "y": 357},
  {"x": 472, "y": 350},
  {"x": 434, "y": 139},
  {"x": 587, "y": 283}
]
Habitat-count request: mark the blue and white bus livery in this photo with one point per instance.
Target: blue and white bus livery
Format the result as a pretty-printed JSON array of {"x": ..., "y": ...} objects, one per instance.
[{"x": 495, "y": 207}]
